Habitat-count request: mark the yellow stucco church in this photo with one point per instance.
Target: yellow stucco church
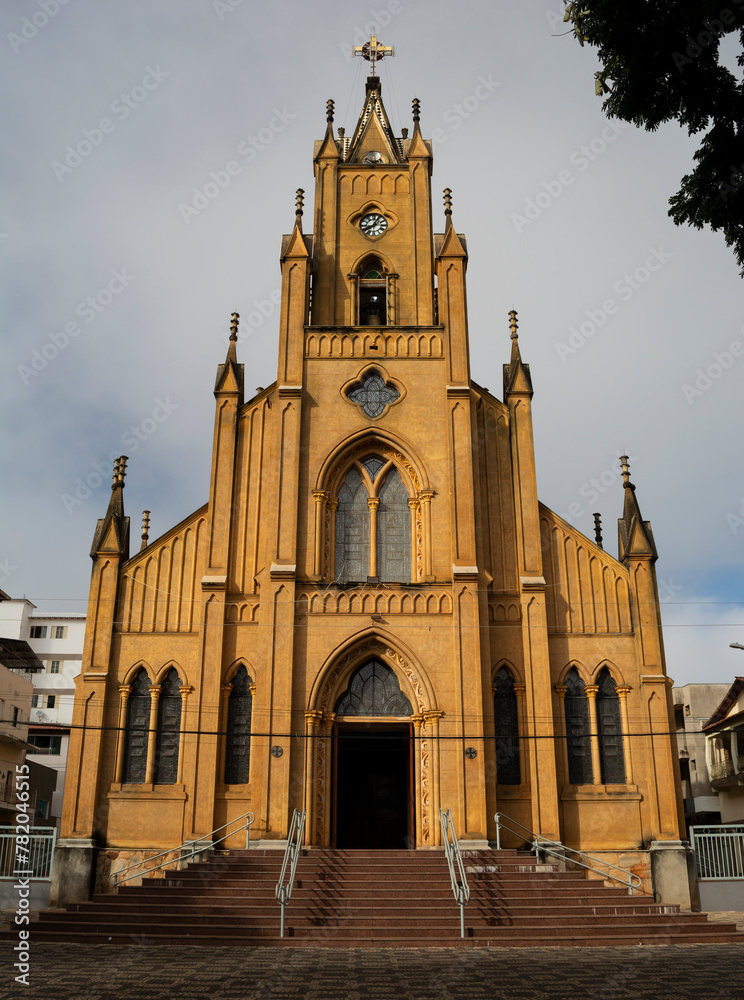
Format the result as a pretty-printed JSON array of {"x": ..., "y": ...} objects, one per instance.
[{"x": 373, "y": 616}]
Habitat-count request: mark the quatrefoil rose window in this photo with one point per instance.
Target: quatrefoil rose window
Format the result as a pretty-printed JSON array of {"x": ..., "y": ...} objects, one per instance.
[{"x": 373, "y": 392}]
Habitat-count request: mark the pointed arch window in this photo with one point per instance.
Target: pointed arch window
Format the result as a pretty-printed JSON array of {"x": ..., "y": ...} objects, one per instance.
[
  {"x": 169, "y": 731},
  {"x": 610, "y": 731},
  {"x": 578, "y": 736},
  {"x": 373, "y": 690},
  {"x": 508, "y": 771},
  {"x": 138, "y": 730},
  {"x": 238, "y": 747},
  {"x": 373, "y": 525}
]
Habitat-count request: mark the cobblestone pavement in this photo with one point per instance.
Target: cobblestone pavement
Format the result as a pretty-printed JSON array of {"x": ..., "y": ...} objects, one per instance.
[{"x": 135, "y": 972}]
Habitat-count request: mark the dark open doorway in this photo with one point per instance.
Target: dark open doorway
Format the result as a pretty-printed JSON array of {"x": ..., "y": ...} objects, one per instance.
[{"x": 373, "y": 800}]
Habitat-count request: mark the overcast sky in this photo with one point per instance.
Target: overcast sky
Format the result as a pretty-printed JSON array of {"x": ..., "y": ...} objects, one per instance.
[{"x": 120, "y": 273}]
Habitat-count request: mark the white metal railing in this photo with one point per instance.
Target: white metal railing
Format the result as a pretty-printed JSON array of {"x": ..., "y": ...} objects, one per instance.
[
  {"x": 540, "y": 845},
  {"x": 186, "y": 852},
  {"x": 34, "y": 857},
  {"x": 291, "y": 855},
  {"x": 719, "y": 851},
  {"x": 458, "y": 878}
]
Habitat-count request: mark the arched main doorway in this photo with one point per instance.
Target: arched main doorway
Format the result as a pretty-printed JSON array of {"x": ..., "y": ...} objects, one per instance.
[{"x": 374, "y": 788}]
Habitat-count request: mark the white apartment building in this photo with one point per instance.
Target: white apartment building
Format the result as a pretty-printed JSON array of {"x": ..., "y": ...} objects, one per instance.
[{"x": 57, "y": 640}]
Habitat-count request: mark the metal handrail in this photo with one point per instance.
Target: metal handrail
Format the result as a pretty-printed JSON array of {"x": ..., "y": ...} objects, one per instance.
[
  {"x": 542, "y": 844},
  {"x": 292, "y": 853},
  {"x": 115, "y": 880},
  {"x": 458, "y": 878}
]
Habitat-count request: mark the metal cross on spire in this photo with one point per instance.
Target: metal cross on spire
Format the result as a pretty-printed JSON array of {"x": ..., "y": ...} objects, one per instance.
[{"x": 372, "y": 51}]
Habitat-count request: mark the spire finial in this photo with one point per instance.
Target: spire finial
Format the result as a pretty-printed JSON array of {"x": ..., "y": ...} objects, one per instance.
[
  {"x": 235, "y": 320},
  {"x": 120, "y": 471},
  {"x": 299, "y": 203},
  {"x": 625, "y": 466},
  {"x": 145, "y": 529},
  {"x": 416, "y": 110},
  {"x": 447, "y": 202},
  {"x": 373, "y": 51},
  {"x": 513, "y": 324},
  {"x": 330, "y": 105},
  {"x": 598, "y": 529}
]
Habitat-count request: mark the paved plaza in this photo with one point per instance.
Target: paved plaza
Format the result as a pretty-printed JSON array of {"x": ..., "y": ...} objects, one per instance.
[{"x": 136, "y": 972}]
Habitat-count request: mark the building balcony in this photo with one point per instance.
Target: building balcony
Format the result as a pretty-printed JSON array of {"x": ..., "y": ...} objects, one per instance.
[{"x": 723, "y": 773}]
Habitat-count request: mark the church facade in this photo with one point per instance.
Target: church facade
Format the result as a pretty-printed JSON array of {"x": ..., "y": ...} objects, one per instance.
[{"x": 373, "y": 616}]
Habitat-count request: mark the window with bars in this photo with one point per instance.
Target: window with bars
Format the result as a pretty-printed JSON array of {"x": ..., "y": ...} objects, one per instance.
[
  {"x": 508, "y": 771},
  {"x": 578, "y": 737},
  {"x": 610, "y": 731},
  {"x": 238, "y": 745}
]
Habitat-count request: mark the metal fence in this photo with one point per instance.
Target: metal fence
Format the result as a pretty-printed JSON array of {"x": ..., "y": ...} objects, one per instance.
[
  {"x": 719, "y": 851},
  {"x": 31, "y": 856}
]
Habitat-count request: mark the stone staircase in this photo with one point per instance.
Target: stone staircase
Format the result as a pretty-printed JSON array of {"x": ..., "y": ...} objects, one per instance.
[{"x": 383, "y": 899}]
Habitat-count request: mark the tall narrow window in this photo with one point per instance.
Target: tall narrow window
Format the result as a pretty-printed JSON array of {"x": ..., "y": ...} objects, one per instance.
[
  {"x": 507, "y": 730},
  {"x": 610, "y": 729},
  {"x": 169, "y": 731},
  {"x": 238, "y": 747},
  {"x": 352, "y": 530},
  {"x": 577, "y": 731},
  {"x": 138, "y": 726},
  {"x": 394, "y": 531}
]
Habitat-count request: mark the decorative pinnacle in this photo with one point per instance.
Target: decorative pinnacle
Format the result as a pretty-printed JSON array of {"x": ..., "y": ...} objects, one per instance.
[
  {"x": 145, "y": 528},
  {"x": 341, "y": 131},
  {"x": 447, "y": 201},
  {"x": 598, "y": 529},
  {"x": 299, "y": 203},
  {"x": 330, "y": 105},
  {"x": 404, "y": 133},
  {"x": 233, "y": 328},
  {"x": 624, "y": 465},
  {"x": 513, "y": 325},
  {"x": 120, "y": 471},
  {"x": 416, "y": 109}
]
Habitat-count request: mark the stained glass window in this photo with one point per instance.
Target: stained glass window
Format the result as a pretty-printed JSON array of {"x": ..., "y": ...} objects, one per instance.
[
  {"x": 394, "y": 531},
  {"x": 577, "y": 729},
  {"x": 352, "y": 530},
  {"x": 169, "y": 731},
  {"x": 507, "y": 730},
  {"x": 138, "y": 726},
  {"x": 373, "y": 690},
  {"x": 373, "y": 394},
  {"x": 609, "y": 726},
  {"x": 238, "y": 748},
  {"x": 373, "y": 464}
]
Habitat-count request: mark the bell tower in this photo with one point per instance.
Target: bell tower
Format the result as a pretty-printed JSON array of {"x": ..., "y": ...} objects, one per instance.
[{"x": 373, "y": 243}]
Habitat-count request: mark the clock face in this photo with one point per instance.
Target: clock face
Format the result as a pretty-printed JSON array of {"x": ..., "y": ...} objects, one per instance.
[
  {"x": 373, "y": 157},
  {"x": 373, "y": 224}
]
